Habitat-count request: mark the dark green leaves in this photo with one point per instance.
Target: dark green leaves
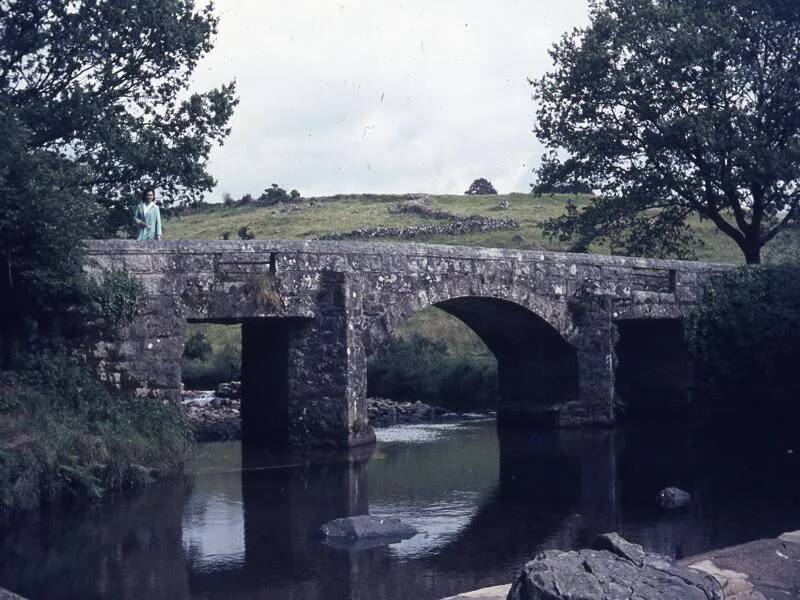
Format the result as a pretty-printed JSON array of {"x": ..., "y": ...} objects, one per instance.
[{"x": 676, "y": 107}]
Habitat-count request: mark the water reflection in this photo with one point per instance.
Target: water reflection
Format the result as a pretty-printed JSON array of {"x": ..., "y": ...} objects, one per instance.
[{"x": 238, "y": 525}]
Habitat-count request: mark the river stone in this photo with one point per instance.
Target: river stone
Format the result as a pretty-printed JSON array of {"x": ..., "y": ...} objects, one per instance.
[
  {"x": 673, "y": 497},
  {"x": 366, "y": 527},
  {"x": 616, "y": 544},
  {"x": 601, "y": 575},
  {"x": 229, "y": 390}
]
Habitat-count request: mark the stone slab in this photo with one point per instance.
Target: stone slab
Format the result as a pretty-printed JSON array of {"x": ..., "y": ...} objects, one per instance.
[
  {"x": 760, "y": 570},
  {"x": 497, "y": 592}
]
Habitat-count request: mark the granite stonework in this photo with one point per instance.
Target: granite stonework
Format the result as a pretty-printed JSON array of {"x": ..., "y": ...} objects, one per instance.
[{"x": 312, "y": 311}]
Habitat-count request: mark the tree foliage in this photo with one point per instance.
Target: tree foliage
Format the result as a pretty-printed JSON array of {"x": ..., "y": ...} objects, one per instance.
[
  {"x": 94, "y": 106},
  {"x": 745, "y": 332},
  {"x": 103, "y": 84},
  {"x": 480, "y": 187},
  {"x": 672, "y": 108},
  {"x": 576, "y": 187}
]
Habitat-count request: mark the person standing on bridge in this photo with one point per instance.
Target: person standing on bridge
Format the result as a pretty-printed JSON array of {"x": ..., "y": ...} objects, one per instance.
[{"x": 147, "y": 217}]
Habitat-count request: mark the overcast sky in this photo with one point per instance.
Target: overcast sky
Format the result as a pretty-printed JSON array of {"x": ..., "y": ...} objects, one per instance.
[{"x": 379, "y": 96}]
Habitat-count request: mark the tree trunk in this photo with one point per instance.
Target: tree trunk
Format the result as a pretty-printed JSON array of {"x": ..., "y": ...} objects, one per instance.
[{"x": 752, "y": 253}]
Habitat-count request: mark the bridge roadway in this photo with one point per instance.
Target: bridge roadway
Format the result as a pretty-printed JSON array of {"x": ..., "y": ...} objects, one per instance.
[{"x": 560, "y": 325}]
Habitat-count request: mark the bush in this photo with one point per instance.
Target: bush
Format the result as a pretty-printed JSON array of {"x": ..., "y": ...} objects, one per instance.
[
  {"x": 244, "y": 233},
  {"x": 744, "y": 335},
  {"x": 480, "y": 187},
  {"x": 418, "y": 368},
  {"x": 64, "y": 436},
  {"x": 121, "y": 297},
  {"x": 197, "y": 346},
  {"x": 276, "y": 194},
  {"x": 219, "y": 367}
]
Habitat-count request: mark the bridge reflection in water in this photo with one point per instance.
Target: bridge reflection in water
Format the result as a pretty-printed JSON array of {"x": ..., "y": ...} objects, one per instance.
[{"x": 237, "y": 525}]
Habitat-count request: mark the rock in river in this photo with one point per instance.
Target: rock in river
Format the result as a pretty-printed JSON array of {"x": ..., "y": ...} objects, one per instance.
[
  {"x": 366, "y": 528},
  {"x": 623, "y": 573},
  {"x": 673, "y": 497}
]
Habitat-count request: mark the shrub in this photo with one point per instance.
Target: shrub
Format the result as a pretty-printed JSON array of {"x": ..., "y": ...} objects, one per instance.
[
  {"x": 244, "y": 233},
  {"x": 216, "y": 368},
  {"x": 276, "y": 194},
  {"x": 417, "y": 368},
  {"x": 197, "y": 346},
  {"x": 480, "y": 187},
  {"x": 65, "y": 436},
  {"x": 744, "y": 335},
  {"x": 121, "y": 297}
]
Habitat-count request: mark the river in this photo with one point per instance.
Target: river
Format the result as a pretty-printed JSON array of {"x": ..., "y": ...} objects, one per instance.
[{"x": 237, "y": 525}]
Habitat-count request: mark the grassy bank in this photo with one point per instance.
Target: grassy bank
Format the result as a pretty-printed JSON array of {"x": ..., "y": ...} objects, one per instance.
[
  {"x": 63, "y": 436},
  {"x": 345, "y": 214}
]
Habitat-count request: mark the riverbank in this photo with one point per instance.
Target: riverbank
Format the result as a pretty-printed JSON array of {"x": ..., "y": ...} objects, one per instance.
[
  {"x": 759, "y": 570},
  {"x": 66, "y": 439},
  {"x": 215, "y": 415}
]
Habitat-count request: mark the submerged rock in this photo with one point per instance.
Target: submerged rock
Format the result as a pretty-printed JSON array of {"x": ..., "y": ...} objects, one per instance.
[
  {"x": 673, "y": 497},
  {"x": 232, "y": 389},
  {"x": 366, "y": 528},
  {"x": 384, "y": 412},
  {"x": 625, "y": 572}
]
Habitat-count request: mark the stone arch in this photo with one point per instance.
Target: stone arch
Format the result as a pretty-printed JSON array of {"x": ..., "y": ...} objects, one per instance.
[
  {"x": 382, "y": 320},
  {"x": 531, "y": 337}
]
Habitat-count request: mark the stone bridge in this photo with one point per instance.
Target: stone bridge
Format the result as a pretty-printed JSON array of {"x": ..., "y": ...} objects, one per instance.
[{"x": 569, "y": 331}]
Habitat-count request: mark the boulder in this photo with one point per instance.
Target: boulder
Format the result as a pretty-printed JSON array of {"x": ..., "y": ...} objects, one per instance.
[
  {"x": 673, "y": 497},
  {"x": 606, "y": 575},
  {"x": 6, "y": 595},
  {"x": 349, "y": 530},
  {"x": 616, "y": 544},
  {"x": 229, "y": 390}
]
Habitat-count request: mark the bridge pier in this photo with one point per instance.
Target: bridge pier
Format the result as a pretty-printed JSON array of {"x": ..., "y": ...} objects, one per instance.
[{"x": 327, "y": 370}]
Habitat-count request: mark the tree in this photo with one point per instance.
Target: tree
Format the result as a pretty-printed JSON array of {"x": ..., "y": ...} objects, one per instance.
[
  {"x": 197, "y": 346},
  {"x": 672, "y": 108},
  {"x": 93, "y": 107},
  {"x": 576, "y": 187},
  {"x": 44, "y": 216},
  {"x": 275, "y": 194},
  {"x": 103, "y": 84},
  {"x": 480, "y": 187}
]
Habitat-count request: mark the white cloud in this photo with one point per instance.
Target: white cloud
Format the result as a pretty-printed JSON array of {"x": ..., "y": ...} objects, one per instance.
[{"x": 373, "y": 96}]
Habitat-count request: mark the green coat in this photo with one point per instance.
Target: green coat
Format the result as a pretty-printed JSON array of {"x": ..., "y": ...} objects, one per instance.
[{"x": 148, "y": 222}]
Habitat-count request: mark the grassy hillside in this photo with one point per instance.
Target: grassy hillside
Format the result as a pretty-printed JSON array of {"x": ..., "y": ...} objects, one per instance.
[{"x": 276, "y": 222}]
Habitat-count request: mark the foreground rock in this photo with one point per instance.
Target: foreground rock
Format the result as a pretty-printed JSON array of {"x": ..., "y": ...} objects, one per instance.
[
  {"x": 673, "y": 497},
  {"x": 6, "y": 595},
  {"x": 760, "y": 570},
  {"x": 623, "y": 572},
  {"x": 365, "y": 531}
]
